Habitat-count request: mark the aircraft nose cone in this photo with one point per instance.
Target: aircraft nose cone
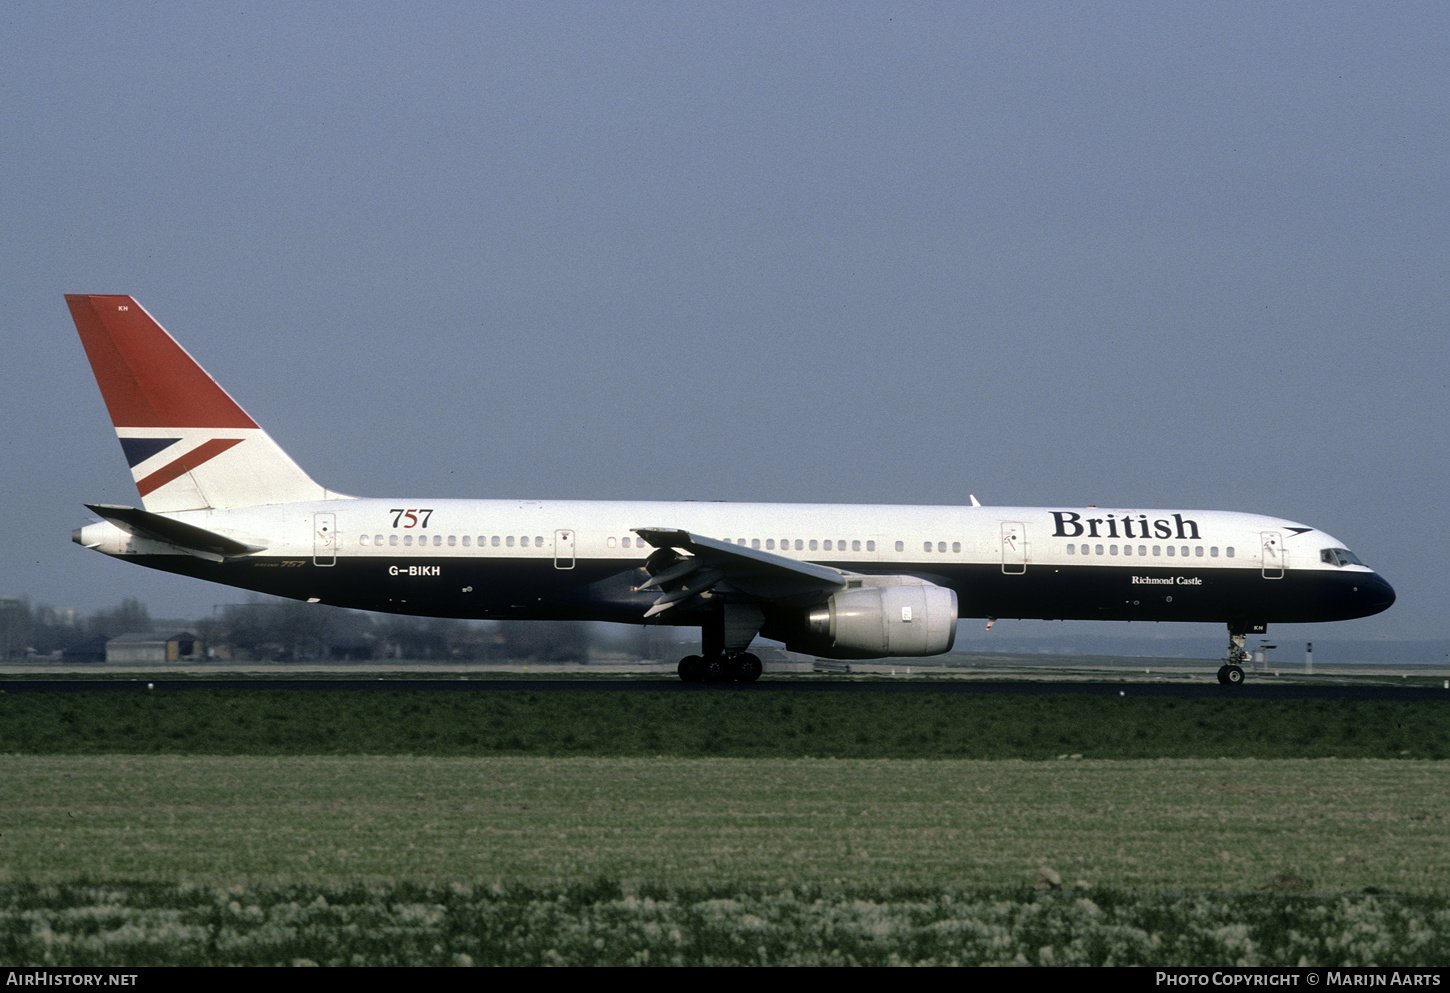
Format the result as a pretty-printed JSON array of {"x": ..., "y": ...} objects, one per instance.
[{"x": 1381, "y": 594}]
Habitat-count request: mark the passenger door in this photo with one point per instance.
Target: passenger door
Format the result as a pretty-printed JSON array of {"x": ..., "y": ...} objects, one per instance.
[
  {"x": 1274, "y": 558},
  {"x": 1014, "y": 548},
  {"x": 563, "y": 549}
]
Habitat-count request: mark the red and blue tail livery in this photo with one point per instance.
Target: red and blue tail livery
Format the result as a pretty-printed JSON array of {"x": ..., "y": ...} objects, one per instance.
[
  {"x": 189, "y": 445},
  {"x": 221, "y": 501}
]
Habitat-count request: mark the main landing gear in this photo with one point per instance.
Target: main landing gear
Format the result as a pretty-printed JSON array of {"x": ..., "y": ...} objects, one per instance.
[
  {"x": 737, "y": 667},
  {"x": 1231, "y": 673},
  {"x": 724, "y": 638}
]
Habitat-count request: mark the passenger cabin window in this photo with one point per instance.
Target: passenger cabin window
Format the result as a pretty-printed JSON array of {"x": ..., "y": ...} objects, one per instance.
[{"x": 901, "y": 546}]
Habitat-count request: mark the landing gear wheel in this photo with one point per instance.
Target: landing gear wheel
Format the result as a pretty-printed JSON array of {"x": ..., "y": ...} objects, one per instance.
[
  {"x": 1233, "y": 675},
  {"x": 1223, "y": 674},
  {"x": 748, "y": 668},
  {"x": 717, "y": 669},
  {"x": 692, "y": 669}
]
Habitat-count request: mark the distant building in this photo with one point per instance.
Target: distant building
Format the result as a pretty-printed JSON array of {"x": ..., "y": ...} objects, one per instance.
[
  {"x": 155, "y": 647},
  {"x": 90, "y": 650}
]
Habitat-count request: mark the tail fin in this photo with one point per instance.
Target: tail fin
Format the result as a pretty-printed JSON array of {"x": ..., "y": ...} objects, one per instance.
[{"x": 189, "y": 445}]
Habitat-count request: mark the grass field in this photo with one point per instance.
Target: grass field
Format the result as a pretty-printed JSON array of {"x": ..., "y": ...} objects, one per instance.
[
  {"x": 715, "y": 724},
  {"x": 816, "y": 832},
  {"x": 1221, "y": 825}
]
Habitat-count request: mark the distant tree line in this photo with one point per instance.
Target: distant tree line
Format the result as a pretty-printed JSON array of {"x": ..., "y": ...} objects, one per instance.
[
  {"x": 290, "y": 630},
  {"x": 27, "y": 629}
]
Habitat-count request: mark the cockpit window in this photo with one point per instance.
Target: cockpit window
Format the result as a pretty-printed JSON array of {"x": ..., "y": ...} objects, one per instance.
[{"x": 1338, "y": 556}]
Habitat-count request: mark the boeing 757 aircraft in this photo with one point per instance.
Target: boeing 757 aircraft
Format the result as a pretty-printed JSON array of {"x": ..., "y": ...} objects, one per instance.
[{"x": 223, "y": 502}]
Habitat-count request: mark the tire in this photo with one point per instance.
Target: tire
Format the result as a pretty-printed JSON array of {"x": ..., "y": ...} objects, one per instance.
[
  {"x": 692, "y": 669},
  {"x": 748, "y": 668}
]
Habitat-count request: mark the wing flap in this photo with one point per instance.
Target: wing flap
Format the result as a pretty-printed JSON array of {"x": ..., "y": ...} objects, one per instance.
[{"x": 699, "y": 565}]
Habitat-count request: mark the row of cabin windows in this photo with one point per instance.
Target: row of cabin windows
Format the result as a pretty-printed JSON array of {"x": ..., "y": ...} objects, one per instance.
[
  {"x": 453, "y": 540},
  {"x": 804, "y": 544},
  {"x": 827, "y": 545},
  {"x": 800, "y": 544},
  {"x": 507, "y": 541},
  {"x": 1158, "y": 550}
]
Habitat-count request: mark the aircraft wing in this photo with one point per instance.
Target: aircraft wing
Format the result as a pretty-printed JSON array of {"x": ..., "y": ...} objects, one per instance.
[{"x": 687, "y": 565}]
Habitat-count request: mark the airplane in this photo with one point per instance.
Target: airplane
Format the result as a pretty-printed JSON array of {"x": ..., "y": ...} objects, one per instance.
[{"x": 222, "y": 501}]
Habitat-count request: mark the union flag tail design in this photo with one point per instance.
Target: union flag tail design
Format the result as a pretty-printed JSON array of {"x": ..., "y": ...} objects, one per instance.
[{"x": 189, "y": 445}]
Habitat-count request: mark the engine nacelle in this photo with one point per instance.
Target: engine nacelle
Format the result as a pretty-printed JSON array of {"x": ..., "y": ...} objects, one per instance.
[{"x": 880, "y": 621}]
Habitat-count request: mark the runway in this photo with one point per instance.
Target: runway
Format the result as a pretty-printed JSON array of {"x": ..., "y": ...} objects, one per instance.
[{"x": 1029, "y": 687}]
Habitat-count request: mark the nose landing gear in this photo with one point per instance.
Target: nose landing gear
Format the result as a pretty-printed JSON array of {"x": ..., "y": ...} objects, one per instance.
[{"x": 1231, "y": 673}]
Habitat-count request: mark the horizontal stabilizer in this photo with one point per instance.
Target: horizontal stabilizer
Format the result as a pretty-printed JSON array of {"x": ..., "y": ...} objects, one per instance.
[{"x": 198, "y": 541}]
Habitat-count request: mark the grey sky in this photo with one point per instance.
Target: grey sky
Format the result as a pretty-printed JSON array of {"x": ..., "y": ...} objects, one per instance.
[{"x": 1132, "y": 254}]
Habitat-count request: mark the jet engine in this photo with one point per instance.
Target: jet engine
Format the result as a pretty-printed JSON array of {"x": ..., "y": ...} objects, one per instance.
[{"x": 879, "y": 621}]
